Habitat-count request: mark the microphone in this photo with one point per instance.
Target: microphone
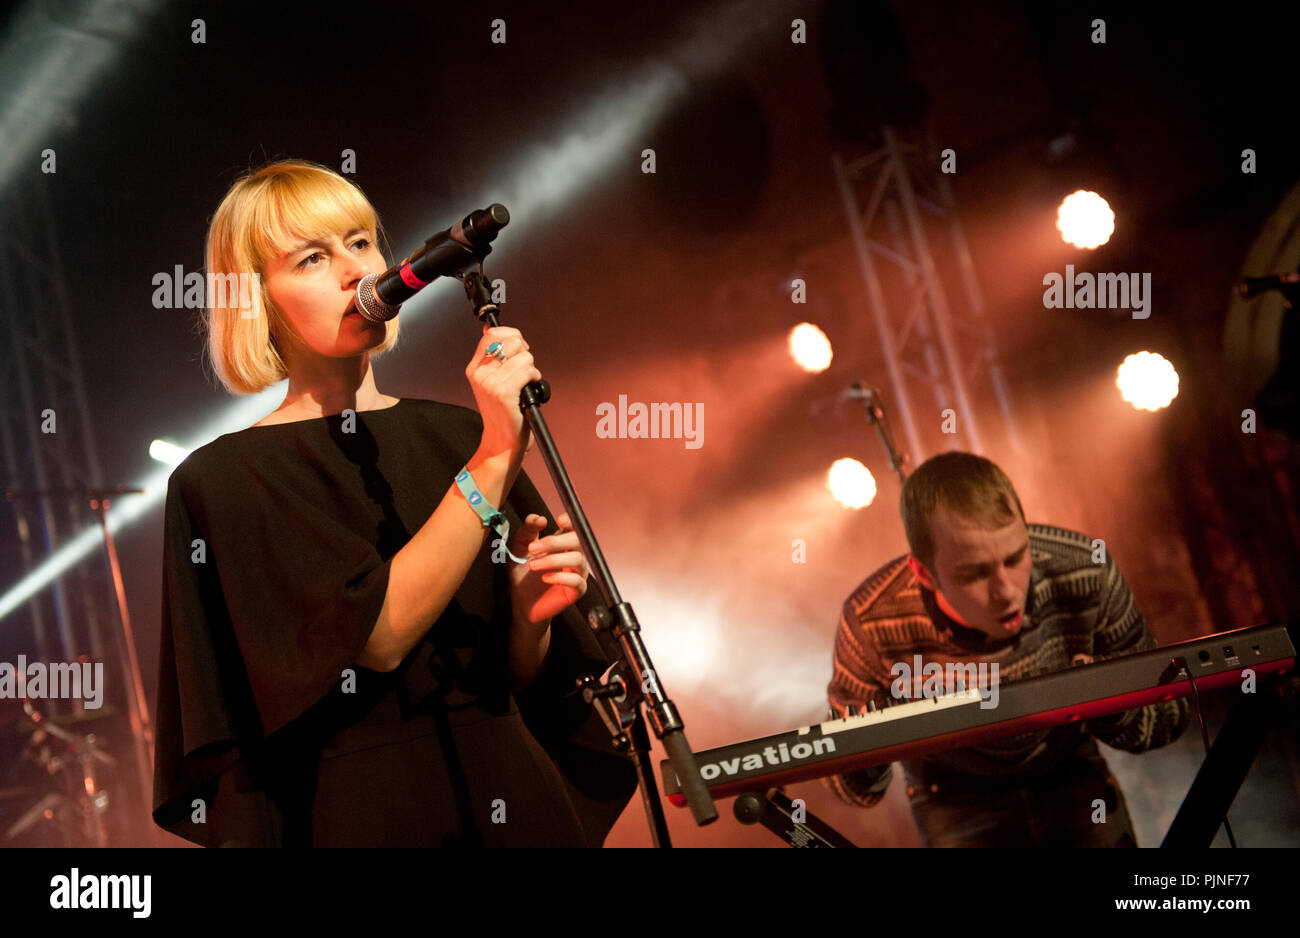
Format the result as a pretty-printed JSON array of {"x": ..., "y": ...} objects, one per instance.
[
  {"x": 859, "y": 391},
  {"x": 447, "y": 254},
  {"x": 1253, "y": 286}
]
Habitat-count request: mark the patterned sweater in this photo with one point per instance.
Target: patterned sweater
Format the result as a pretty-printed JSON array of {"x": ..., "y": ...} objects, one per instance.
[{"x": 1074, "y": 607}]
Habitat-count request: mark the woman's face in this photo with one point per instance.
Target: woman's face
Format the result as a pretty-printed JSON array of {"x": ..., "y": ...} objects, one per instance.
[{"x": 314, "y": 283}]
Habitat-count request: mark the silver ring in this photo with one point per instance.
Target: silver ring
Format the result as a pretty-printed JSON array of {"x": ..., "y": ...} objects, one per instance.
[{"x": 496, "y": 350}]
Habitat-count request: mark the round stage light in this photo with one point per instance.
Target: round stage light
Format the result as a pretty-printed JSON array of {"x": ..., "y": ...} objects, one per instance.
[
  {"x": 1085, "y": 220},
  {"x": 1147, "y": 381},
  {"x": 851, "y": 483},
  {"x": 810, "y": 348}
]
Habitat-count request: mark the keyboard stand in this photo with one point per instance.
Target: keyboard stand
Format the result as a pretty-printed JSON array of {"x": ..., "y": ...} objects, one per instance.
[
  {"x": 776, "y": 812},
  {"x": 1249, "y": 722}
]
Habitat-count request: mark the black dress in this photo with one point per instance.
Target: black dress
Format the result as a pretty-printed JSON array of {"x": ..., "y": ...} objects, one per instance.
[{"x": 277, "y": 548}]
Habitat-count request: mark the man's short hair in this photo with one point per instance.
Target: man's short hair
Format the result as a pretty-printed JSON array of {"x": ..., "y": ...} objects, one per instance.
[{"x": 969, "y": 486}]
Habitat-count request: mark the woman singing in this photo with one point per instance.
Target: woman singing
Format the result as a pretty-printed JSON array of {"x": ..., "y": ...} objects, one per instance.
[{"x": 349, "y": 654}]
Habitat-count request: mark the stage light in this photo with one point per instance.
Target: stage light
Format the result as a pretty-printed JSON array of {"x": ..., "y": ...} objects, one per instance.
[
  {"x": 127, "y": 509},
  {"x": 1147, "y": 381},
  {"x": 53, "y": 58},
  {"x": 810, "y": 348},
  {"x": 1085, "y": 219},
  {"x": 168, "y": 453},
  {"x": 851, "y": 483}
]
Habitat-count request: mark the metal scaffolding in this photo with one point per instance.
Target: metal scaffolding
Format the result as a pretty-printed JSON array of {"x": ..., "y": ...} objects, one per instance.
[
  {"x": 52, "y": 472},
  {"x": 927, "y": 344}
]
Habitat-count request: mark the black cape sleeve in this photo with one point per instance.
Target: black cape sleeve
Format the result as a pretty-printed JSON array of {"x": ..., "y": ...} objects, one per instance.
[
  {"x": 268, "y": 596},
  {"x": 238, "y": 660}
]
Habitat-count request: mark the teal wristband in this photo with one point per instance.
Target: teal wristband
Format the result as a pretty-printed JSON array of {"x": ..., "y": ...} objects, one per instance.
[{"x": 488, "y": 514}]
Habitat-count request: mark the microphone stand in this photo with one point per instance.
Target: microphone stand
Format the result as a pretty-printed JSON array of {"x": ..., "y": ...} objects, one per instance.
[
  {"x": 613, "y": 693},
  {"x": 137, "y": 706},
  {"x": 870, "y": 398}
]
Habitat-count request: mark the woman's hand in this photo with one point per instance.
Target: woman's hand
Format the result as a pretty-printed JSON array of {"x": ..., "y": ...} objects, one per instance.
[
  {"x": 496, "y": 385},
  {"x": 555, "y": 576}
]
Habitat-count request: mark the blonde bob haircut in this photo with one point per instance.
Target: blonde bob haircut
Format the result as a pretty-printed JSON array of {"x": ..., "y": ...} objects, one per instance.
[{"x": 266, "y": 212}]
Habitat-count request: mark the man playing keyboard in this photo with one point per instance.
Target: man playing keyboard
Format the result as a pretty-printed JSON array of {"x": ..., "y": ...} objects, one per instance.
[{"x": 982, "y": 586}]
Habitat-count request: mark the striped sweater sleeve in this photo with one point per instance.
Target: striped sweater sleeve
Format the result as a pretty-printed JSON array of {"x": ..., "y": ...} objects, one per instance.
[
  {"x": 857, "y": 680},
  {"x": 1121, "y": 630}
]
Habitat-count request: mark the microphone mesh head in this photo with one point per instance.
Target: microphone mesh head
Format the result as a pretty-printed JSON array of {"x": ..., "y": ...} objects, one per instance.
[{"x": 369, "y": 304}]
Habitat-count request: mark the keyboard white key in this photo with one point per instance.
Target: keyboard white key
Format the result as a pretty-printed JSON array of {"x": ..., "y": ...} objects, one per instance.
[{"x": 898, "y": 711}]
